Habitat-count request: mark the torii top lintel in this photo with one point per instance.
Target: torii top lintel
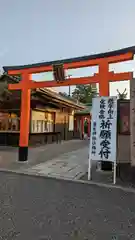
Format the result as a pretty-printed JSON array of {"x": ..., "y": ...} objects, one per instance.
[{"x": 124, "y": 54}]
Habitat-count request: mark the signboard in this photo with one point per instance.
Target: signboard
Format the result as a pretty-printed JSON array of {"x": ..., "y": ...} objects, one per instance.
[
  {"x": 58, "y": 72},
  {"x": 103, "y": 130},
  {"x": 71, "y": 123}
]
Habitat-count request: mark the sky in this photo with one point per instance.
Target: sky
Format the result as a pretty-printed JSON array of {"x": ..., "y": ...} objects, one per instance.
[{"x": 44, "y": 30}]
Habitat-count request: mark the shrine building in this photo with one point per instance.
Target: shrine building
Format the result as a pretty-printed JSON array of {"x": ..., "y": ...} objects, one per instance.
[{"x": 51, "y": 115}]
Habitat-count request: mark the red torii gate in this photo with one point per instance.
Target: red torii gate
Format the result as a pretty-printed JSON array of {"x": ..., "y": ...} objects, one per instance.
[{"x": 103, "y": 77}]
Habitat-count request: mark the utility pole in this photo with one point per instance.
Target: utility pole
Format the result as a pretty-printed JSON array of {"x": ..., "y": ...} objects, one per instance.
[{"x": 69, "y": 90}]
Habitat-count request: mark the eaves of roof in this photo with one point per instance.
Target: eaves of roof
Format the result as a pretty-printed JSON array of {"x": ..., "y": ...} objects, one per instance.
[{"x": 52, "y": 94}]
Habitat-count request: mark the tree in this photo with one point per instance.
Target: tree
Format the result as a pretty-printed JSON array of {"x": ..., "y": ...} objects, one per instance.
[
  {"x": 65, "y": 95},
  {"x": 85, "y": 93},
  {"x": 122, "y": 95},
  {"x": 5, "y": 94}
]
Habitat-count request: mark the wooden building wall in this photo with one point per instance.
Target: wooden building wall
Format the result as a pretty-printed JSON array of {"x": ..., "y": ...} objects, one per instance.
[
  {"x": 46, "y": 125},
  {"x": 63, "y": 124},
  {"x": 123, "y": 153}
]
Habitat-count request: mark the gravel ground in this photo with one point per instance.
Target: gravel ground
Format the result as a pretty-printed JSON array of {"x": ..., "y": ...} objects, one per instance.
[{"x": 33, "y": 208}]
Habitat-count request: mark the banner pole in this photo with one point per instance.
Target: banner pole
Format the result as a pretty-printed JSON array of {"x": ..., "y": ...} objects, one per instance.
[
  {"x": 114, "y": 173},
  {"x": 89, "y": 169}
]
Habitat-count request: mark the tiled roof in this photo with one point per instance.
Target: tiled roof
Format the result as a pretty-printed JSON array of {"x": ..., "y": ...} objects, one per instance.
[
  {"x": 49, "y": 92},
  {"x": 62, "y": 98},
  {"x": 86, "y": 110}
]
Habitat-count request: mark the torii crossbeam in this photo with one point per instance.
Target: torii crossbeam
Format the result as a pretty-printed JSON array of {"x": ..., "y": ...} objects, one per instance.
[{"x": 103, "y": 77}]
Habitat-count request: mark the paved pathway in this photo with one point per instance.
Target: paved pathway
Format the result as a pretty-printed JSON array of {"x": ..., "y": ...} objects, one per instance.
[
  {"x": 71, "y": 165},
  {"x": 47, "y": 209},
  {"x": 37, "y": 155},
  {"x": 68, "y": 160}
]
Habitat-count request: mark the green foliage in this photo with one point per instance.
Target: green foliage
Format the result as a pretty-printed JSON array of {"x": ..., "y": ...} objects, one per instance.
[
  {"x": 84, "y": 93},
  {"x": 65, "y": 95},
  {"x": 5, "y": 94}
]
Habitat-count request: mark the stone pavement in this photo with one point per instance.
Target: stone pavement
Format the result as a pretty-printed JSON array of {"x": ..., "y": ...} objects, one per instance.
[
  {"x": 38, "y": 155},
  {"x": 68, "y": 160},
  {"x": 71, "y": 165}
]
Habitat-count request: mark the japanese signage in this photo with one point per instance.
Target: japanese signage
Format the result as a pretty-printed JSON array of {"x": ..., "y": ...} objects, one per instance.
[
  {"x": 103, "y": 129},
  {"x": 58, "y": 72}
]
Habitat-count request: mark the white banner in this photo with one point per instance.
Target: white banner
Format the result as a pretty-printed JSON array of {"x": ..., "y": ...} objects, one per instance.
[{"x": 103, "y": 129}]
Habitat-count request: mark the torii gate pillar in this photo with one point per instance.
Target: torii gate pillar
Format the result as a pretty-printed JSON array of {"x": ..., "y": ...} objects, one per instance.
[{"x": 25, "y": 118}]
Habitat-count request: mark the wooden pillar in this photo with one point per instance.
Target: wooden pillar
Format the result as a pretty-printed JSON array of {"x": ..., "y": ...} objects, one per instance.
[
  {"x": 88, "y": 127},
  {"x": 104, "y": 92},
  {"x": 82, "y": 126},
  {"x": 132, "y": 121},
  {"x": 25, "y": 118},
  {"x": 75, "y": 123},
  {"x": 104, "y": 78}
]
